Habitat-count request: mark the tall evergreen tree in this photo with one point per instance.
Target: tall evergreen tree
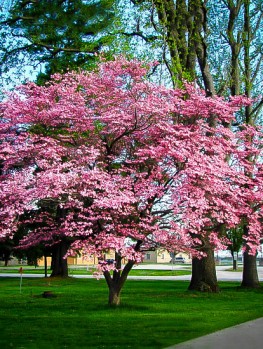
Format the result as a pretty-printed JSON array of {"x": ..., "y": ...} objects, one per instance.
[{"x": 60, "y": 34}]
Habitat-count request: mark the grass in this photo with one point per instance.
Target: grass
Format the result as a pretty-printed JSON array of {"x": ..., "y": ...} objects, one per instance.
[
  {"x": 147, "y": 272},
  {"x": 84, "y": 271},
  {"x": 235, "y": 270},
  {"x": 153, "y": 314}
]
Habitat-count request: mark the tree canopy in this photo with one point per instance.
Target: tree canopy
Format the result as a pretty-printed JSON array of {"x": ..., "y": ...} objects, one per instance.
[
  {"x": 127, "y": 165},
  {"x": 217, "y": 44}
]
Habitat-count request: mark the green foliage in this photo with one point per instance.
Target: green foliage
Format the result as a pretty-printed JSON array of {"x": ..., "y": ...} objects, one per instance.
[
  {"x": 235, "y": 237},
  {"x": 59, "y": 34},
  {"x": 154, "y": 314},
  {"x": 44, "y": 130},
  {"x": 57, "y": 132},
  {"x": 98, "y": 126}
]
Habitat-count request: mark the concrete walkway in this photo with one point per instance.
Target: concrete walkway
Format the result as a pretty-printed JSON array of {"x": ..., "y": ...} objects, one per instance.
[{"x": 248, "y": 335}]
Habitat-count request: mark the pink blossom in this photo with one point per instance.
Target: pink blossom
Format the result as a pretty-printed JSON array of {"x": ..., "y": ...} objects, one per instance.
[{"x": 111, "y": 161}]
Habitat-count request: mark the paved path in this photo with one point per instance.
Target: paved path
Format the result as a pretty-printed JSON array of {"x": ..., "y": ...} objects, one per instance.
[{"x": 248, "y": 335}]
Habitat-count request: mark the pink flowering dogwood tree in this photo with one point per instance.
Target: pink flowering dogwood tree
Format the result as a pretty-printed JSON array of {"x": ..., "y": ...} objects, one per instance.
[{"x": 126, "y": 165}]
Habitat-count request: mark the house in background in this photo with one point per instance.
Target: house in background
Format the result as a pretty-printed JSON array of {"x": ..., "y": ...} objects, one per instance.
[
  {"x": 156, "y": 256},
  {"x": 163, "y": 256},
  {"x": 79, "y": 260}
]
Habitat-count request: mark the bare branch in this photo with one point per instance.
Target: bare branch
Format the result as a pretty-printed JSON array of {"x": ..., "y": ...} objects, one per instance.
[{"x": 140, "y": 34}]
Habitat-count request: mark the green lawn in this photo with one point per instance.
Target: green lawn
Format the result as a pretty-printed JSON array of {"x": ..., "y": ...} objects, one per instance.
[
  {"x": 153, "y": 314},
  {"x": 84, "y": 271}
]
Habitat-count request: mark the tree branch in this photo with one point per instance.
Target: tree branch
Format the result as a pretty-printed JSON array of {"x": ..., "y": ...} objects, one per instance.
[{"x": 140, "y": 34}]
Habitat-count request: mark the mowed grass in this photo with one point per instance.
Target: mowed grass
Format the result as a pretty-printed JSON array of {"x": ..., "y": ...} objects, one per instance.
[
  {"x": 84, "y": 271},
  {"x": 153, "y": 314},
  {"x": 136, "y": 272}
]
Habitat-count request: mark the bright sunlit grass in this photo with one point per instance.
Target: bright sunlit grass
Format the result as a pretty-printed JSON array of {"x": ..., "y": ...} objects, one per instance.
[{"x": 153, "y": 314}]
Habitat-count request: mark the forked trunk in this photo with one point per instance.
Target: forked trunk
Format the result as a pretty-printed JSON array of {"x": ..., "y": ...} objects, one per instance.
[
  {"x": 250, "y": 274},
  {"x": 204, "y": 273},
  {"x": 116, "y": 281}
]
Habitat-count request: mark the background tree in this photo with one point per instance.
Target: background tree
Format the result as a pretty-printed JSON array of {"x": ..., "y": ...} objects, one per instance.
[
  {"x": 235, "y": 237},
  {"x": 6, "y": 248},
  {"x": 47, "y": 240},
  {"x": 217, "y": 43},
  {"x": 53, "y": 35}
]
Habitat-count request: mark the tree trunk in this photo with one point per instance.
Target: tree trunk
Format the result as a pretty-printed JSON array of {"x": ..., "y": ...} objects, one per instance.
[
  {"x": 114, "y": 295},
  {"x": 234, "y": 264},
  {"x": 167, "y": 17},
  {"x": 204, "y": 273},
  {"x": 45, "y": 265},
  {"x": 6, "y": 259},
  {"x": 234, "y": 255},
  {"x": 7, "y": 256},
  {"x": 200, "y": 32},
  {"x": 59, "y": 264},
  {"x": 250, "y": 274},
  {"x": 117, "y": 280}
]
